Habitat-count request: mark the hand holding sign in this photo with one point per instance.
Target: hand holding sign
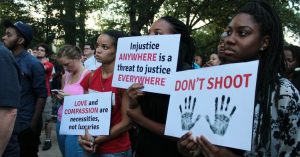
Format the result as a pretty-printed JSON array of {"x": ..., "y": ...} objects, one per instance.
[
  {"x": 133, "y": 92},
  {"x": 188, "y": 146},
  {"x": 221, "y": 119},
  {"x": 86, "y": 141},
  {"x": 138, "y": 62},
  {"x": 221, "y": 116},
  {"x": 187, "y": 114}
]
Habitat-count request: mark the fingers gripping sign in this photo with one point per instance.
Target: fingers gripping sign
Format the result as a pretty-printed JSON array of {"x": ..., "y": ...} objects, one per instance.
[
  {"x": 86, "y": 141},
  {"x": 222, "y": 117},
  {"x": 187, "y": 114},
  {"x": 133, "y": 92}
]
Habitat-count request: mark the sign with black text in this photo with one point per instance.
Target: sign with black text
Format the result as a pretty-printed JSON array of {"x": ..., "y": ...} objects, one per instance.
[
  {"x": 149, "y": 60},
  {"x": 217, "y": 102},
  {"x": 91, "y": 111}
]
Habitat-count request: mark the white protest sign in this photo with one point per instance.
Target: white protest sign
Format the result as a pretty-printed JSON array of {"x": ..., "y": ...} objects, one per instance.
[
  {"x": 216, "y": 102},
  {"x": 92, "y": 111},
  {"x": 148, "y": 60}
]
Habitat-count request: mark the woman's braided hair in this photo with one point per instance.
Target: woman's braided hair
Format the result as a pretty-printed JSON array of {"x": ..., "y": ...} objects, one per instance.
[{"x": 271, "y": 64}]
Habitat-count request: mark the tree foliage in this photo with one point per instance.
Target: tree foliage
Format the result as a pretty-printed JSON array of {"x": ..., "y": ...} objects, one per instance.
[{"x": 66, "y": 20}]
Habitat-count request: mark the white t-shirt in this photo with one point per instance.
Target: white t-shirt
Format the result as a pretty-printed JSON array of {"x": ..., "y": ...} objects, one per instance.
[{"x": 91, "y": 63}]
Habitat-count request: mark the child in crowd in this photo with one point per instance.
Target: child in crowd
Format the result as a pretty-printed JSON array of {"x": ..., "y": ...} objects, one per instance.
[{"x": 213, "y": 60}]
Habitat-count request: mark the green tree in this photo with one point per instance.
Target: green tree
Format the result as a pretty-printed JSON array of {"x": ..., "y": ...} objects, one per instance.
[
  {"x": 13, "y": 12},
  {"x": 206, "y": 19}
]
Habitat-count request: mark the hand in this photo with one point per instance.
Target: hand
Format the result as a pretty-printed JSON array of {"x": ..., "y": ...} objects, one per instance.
[
  {"x": 33, "y": 126},
  {"x": 187, "y": 146},
  {"x": 133, "y": 92},
  {"x": 134, "y": 113},
  {"x": 61, "y": 94},
  {"x": 87, "y": 142},
  {"x": 187, "y": 114},
  {"x": 222, "y": 117},
  {"x": 209, "y": 63},
  {"x": 209, "y": 150}
]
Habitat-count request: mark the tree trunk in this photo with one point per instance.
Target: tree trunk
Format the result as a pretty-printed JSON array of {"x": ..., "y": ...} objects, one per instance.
[
  {"x": 69, "y": 22},
  {"x": 145, "y": 11}
]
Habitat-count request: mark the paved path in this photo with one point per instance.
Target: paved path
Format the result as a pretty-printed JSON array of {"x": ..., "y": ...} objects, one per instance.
[{"x": 54, "y": 150}]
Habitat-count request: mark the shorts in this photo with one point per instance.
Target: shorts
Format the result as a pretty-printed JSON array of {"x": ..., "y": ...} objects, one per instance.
[{"x": 47, "y": 110}]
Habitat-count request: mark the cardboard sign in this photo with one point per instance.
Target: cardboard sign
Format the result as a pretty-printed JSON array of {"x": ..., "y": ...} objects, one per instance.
[
  {"x": 217, "y": 102},
  {"x": 92, "y": 111},
  {"x": 149, "y": 60}
]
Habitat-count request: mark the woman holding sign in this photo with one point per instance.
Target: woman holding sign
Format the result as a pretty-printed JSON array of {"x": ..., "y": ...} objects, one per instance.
[
  {"x": 149, "y": 110},
  {"x": 117, "y": 143},
  {"x": 69, "y": 56},
  {"x": 256, "y": 33}
]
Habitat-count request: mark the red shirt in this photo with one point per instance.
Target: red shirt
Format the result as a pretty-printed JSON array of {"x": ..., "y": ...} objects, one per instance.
[
  {"x": 48, "y": 69},
  {"x": 97, "y": 83}
]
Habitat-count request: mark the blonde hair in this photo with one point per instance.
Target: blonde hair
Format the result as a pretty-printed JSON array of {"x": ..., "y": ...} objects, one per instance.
[{"x": 69, "y": 51}]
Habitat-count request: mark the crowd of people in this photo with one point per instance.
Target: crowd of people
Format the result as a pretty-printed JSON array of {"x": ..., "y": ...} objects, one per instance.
[{"x": 138, "y": 118}]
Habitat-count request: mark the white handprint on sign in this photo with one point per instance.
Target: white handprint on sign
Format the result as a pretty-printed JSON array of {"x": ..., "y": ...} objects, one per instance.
[
  {"x": 187, "y": 114},
  {"x": 222, "y": 117}
]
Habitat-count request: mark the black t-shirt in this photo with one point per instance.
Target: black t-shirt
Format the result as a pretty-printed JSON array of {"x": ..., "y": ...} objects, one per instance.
[{"x": 155, "y": 107}]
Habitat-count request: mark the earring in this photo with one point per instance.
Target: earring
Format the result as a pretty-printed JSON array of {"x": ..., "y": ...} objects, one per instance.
[{"x": 261, "y": 49}]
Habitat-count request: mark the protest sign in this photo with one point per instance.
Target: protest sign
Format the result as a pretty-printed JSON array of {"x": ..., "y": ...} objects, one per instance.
[
  {"x": 148, "y": 60},
  {"x": 92, "y": 111},
  {"x": 216, "y": 102}
]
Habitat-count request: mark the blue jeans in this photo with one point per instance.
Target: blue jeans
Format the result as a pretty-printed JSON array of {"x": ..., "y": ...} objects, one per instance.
[
  {"x": 68, "y": 144},
  {"x": 127, "y": 153}
]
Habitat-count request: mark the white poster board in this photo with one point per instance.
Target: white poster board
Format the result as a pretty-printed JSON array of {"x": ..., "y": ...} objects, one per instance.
[
  {"x": 92, "y": 111},
  {"x": 216, "y": 102},
  {"x": 148, "y": 60}
]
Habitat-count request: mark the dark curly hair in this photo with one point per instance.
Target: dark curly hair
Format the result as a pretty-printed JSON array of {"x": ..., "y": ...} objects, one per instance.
[{"x": 187, "y": 45}]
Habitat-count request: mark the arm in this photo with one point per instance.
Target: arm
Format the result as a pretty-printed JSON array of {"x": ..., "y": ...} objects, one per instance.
[
  {"x": 10, "y": 96},
  {"x": 119, "y": 128},
  {"x": 39, "y": 107},
  {"x": 187, "y": 146},
  {"x": 87, "y": 142},
  {"x": 7, "y": 121},
  {"x": 135, "y": 113},
  {"x": 40, "y": 90},
  {"x": 137, "y": 116}
]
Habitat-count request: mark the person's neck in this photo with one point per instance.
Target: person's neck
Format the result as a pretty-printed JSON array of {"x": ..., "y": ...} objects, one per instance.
[
  {"x": 41, "y": 58},
  {"x": 290, "y": 75},
  {"x": 107, "y": 70},
  {"x": 79, "y": 70},
  {"x": 18, "y": 50}
]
